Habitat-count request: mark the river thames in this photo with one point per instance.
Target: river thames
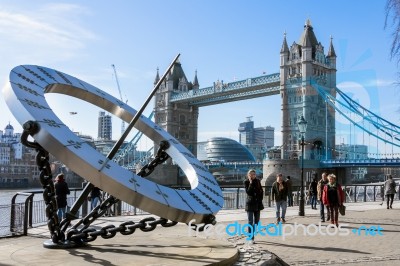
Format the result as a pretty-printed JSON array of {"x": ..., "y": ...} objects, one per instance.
[{"x": 7, "y": 194}]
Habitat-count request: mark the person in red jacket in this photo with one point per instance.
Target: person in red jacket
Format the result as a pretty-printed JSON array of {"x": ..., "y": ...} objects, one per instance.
[{"x": 333, "y": 197}]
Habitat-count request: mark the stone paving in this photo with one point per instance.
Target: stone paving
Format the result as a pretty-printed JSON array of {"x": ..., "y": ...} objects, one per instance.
[
  {"x": 351, "y": 249},
  {"x": 178, "y": 245}
]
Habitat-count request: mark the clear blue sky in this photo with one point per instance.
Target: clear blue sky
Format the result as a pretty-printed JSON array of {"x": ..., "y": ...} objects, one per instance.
[{"x": 225, "y": 40}]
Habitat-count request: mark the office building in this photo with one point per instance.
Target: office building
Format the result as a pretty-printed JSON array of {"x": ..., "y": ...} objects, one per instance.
[
  {"x": 104, "y": 126},
  {"x": 257, "y": 140}
]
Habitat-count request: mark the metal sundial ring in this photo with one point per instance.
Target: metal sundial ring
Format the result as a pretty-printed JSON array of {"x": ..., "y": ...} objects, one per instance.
[{"x": 25, "y": 98}]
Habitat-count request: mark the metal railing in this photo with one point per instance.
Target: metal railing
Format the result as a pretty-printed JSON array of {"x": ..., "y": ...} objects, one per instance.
[
  {"x": 21, "y": 214},
  {"x": 235, "y": 198},
  {"x": 28, "y": 213}
]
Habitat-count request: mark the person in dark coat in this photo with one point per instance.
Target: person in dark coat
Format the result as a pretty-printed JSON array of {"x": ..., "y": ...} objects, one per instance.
[
  {"x": 313, "y": 190},
  {"x": 94, "y": 196},
  {"x": 254, "y": 199},
  {"x": 290, "y": 191},
  {"x": 62, "y": 190},
  {"x": 390, "y": 190},
  {"x": 279, "y": 192}
]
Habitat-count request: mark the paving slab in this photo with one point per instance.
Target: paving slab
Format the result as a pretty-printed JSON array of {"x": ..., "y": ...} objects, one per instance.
[
  {"x": 352, "y": 248},
  {"x": 178, "y": 245},
  {"x": 163, "y": 246}
]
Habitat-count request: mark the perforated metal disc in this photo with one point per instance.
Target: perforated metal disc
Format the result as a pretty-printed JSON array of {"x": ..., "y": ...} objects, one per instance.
[{"x": 25, "y": 98}]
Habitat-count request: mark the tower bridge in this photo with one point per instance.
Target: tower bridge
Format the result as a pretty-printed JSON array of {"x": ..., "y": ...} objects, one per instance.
[
  {"x": 306, "y": 83},
  {"x": 229, "y": 92}
]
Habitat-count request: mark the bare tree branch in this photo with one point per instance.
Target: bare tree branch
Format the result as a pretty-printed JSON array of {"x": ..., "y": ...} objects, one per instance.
[{"x": 392, "y": 20}]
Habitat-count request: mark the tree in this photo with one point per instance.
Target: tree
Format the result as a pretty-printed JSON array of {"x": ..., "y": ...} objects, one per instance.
[{"x": 392, "y": 20}]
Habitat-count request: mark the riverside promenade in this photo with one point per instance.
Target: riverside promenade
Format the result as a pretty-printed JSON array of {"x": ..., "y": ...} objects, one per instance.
[{"x": 180, "y": 246}]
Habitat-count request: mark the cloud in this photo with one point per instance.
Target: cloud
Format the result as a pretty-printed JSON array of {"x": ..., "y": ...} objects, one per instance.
[
  {"x": 385, "y": 83},
  {"x": 51, "y": 32},
  {"x": 369, "y": 83}
]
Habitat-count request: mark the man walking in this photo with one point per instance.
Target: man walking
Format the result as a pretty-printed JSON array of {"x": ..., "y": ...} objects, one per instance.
[
  {"x": 279, "y": 193},
  {"x": 390, "y": 190}
]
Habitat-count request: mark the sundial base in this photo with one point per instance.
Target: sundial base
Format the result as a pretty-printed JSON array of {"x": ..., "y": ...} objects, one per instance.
[{"x": 62, "y": 245}]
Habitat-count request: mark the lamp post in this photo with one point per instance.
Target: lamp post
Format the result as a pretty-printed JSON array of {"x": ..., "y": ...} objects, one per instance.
[{"x": 302, "y": 128}]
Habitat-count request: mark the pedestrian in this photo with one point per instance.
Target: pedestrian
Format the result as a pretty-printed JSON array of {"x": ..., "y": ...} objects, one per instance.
[
  {"x": 313, "y": 190},
  {"x": 333, "y": 197},
  {"x": 290, "y": 191},
  {"x": 94, "y": 197},
  {"x": 382, "y": 193},
  {"x": 254, "y": 203},
  {"x": 390, "y": 190},
  {"x": 61, "y": 190},
  {"x": 279, "y": 192},
  {"x": 320, "y": 188}
]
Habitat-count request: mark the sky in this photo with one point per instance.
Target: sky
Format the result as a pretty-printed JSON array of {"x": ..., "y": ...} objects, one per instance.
[{"x": 222, "y": 40}]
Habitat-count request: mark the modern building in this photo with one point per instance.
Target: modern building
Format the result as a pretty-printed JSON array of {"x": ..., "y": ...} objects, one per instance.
[
  {"x": 257, "y": 140},
  {"x": 223, "y": 150},
  {"x": 246, "y": 132},
  {"x": 104, "y": 126}
]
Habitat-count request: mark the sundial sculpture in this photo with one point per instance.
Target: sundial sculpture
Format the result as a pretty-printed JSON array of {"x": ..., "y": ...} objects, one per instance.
[{"x": 25, "y": 98}]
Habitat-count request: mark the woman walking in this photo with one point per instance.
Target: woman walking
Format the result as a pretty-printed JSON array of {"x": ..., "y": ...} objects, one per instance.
[
  {"x": 332, "y": 196},
  {"x": 61, "y": 190},
  {"x": 254, "y": 199}
]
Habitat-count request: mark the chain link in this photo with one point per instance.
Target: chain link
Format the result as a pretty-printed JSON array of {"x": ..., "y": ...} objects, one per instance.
[
  {"x": 46, "y": 179},
  {"x": 161, "y": 157}
]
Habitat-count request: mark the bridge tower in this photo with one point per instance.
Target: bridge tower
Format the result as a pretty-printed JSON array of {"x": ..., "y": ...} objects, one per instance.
[
  {"x": 303, "y": 66},
  {"x": 178, "y": 119}
]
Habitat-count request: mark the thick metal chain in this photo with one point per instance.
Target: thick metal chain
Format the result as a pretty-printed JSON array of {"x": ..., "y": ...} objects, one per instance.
[
  {"x": 161, "y": 157},
  {"x": 46, "y": 179},
  {"x": 127, "y": 228},
  {"x": 88, "y": 234}
]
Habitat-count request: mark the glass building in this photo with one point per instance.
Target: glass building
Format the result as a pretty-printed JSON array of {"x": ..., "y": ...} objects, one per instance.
[{"x": 224, "y": 150}]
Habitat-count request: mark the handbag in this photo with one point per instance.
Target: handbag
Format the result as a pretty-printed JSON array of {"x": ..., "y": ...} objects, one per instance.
[
  {"x": 342, "y": 210},
  {"x": 261, "y": 206}
]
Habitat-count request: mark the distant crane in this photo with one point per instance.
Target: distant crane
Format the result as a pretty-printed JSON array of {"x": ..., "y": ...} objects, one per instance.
[{"x": 120, "y": 96}]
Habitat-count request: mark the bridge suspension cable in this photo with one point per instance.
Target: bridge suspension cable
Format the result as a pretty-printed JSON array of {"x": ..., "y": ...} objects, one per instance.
[
  {"x": 347, "y": 104},
  {"x": 122, "y": 153},
  {"x": 120, "y": 96}
]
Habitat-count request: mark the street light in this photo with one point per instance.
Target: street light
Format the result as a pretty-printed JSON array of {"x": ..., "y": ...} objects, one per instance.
[{"x": 302, "y": 128}]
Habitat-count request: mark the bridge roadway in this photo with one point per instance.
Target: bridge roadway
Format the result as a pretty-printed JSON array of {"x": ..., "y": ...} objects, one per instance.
[
  {"x": 360, "y": 162},
  {"x": 233, "y": 91},
  {"x": 332, "y": 163},
  {"x": 174, "y": 246}
]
